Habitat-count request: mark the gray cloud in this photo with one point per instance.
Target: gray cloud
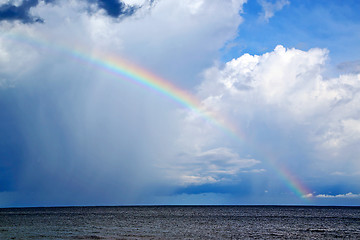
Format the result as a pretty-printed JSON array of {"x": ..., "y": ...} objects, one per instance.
[
  {"x": 117, "y": 8},
  {"x": 269, "y": 8},
  {"x": 86, "y": 136},
  {"x": 11, "y": 12},
  {"x": 113, "y": 8},
  {"x": 349, "y": 67},
  {"x": 211, "y": 166}
]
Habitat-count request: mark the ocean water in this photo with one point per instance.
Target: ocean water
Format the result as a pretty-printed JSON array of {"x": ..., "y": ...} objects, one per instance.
[{"x": 181, "y": 222}]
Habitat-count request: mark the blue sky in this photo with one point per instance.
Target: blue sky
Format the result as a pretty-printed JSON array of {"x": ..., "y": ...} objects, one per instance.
[{"x": 284, "y": 73}]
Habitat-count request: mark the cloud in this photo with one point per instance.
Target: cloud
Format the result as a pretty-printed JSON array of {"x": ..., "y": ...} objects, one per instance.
[
  {"x": 269, "y": 8},
  {"x": 288, "y": 111},
  {"x": 12, "y": 11},
  {"x": 115, "y": 8},
  {"x": 347, "y": 195},
  {"x": 84, "y": 136},
  {"x": 309, "y": 195},
  {"x": 121, "y": 9},
  {"x": 349, "y": 67},
  {"x": 211, "y": 166},
  {"x": 346, "y": 174}
]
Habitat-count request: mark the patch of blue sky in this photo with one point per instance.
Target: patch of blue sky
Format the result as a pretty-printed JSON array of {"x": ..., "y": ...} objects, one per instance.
[{"x": 302, "y": 24}]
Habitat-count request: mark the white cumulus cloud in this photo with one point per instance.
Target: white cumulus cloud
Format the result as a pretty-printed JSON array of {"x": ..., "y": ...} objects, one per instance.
[
  {"x": 347, "y": 195},
  {"x": 285, "y": 91}
]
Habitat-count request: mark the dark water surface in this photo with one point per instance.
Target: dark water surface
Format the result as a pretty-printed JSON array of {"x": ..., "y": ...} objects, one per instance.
[{"x": 181, "y": 222}]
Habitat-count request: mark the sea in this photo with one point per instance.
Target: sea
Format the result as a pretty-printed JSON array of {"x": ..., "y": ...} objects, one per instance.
[{"x": 181, "y": 222}]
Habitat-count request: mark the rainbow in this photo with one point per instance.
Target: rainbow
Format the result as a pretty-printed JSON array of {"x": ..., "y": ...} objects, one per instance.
[{"x": 136, "y": 74}]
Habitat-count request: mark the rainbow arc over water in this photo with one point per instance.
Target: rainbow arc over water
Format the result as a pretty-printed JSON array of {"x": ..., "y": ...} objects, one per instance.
[{"x": 125, "y": 70}]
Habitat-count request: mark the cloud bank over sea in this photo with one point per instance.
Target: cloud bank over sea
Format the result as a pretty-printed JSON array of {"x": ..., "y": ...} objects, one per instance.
[{"x": 277, "y": 120}]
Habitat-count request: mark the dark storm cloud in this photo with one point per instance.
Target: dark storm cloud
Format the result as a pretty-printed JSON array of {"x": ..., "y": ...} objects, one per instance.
[
  {"x": 117, "y": 8},
  {"x": 11, "y": 12},
  {"x": 113, "y": 8}
]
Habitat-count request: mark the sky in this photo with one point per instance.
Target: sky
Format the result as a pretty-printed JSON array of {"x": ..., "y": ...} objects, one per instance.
[{"x": 147, "y": 102}]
